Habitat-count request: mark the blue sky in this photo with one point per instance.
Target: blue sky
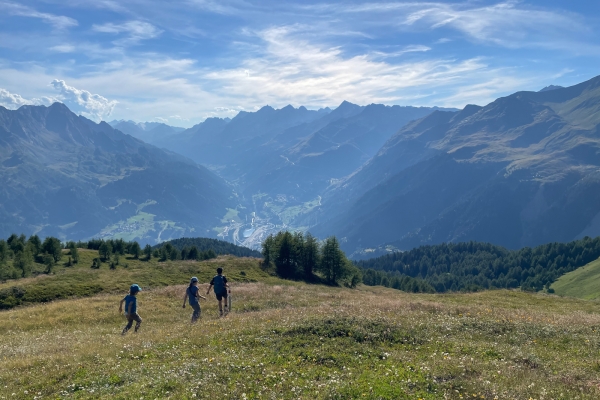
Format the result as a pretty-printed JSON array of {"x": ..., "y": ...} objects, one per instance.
[{"x": 181, "y": 62}]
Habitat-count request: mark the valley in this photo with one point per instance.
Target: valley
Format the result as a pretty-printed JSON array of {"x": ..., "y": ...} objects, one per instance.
[{"x": 380, "y": 178}]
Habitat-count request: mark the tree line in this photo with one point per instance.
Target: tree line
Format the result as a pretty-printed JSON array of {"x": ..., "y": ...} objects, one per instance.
[
  {"x": 21, "y": 257},
  {"x": 299, "y": 256},
  {"x": 218, "y": 246},
  {"x": 473, "y": 266},
  {"x": 26, "y": 252}
]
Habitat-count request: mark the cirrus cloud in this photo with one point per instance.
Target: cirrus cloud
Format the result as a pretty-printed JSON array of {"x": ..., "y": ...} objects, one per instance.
[
  {"x": 136, "y": 31},
  {"x": 58, "y": 21}
]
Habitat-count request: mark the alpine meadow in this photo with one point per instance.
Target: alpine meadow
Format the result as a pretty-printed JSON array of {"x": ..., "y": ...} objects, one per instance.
[{"x": 299, "y": 200}]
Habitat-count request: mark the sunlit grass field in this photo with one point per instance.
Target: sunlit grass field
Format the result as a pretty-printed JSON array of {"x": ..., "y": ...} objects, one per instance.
[
  {"x": 583, "y": 283},
  {"x": 292, "y": 340}
]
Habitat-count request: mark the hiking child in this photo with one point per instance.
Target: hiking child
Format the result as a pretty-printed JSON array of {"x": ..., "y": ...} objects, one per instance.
[
  {"x": 220, "y": 283},
  {"x": 192, "y": 293},
  {"x": 131, "y": 308}
]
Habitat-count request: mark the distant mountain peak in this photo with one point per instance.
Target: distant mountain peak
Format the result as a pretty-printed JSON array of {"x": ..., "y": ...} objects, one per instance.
[
  {"x": 346, "y": 104},
  {"x": 266, "y": 108},
  {"x": 551, "y": 87}
]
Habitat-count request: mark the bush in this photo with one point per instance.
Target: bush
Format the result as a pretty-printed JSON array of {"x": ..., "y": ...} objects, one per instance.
[{"x": 96, "y": 263}]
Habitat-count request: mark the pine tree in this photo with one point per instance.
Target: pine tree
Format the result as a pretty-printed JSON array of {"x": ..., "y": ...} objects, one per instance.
[
  {"x": 268, "y": 248},
  {"x": 174, "y": 254},
  {"x": 24, "y": 261},
  {"x": 35, "y": 241},
  {"x": 148, "y": 252},
  {"x": 310, "y": 256},
  {"x": 334, "y": 265},
  {"x": 3, "y": 251},
  {"x": 135, "y": 250},
  {"x": 193, "y": 254},
  {"x": 286, "y": 256},
  {"x": 210, "y": 254},
  {"x": 49, "y": 262},
  {"x": 75, "y": 255},
  {"x": 105, "y": 250},
  {"x": 53, "y": 247}
]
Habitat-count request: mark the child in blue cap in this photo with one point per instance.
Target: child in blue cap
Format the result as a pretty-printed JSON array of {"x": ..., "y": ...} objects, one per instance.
[
  {"x": 192, "y": 293},
  {"x": 131, "y": 308}
]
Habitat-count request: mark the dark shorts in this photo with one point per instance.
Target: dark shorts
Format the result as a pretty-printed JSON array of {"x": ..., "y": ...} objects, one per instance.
[{"x": 221, "y": 295}]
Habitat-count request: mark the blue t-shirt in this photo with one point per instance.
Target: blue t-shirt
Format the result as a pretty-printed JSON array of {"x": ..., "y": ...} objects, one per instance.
[
  {"x": 219, "y": 282},
  {"x": 192, "y": 292},
  {"x": 130, "y": 299}
]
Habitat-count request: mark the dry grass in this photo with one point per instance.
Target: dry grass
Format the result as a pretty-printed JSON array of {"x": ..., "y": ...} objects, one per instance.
[{"x": 306, "y": 341}]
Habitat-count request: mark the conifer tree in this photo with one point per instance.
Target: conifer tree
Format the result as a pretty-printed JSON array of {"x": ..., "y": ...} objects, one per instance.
[
  {"x": 193, "y": 254},
  {"x": 53, "y": 247},
  {"x": 24, "y": 261},
  {"x": 286, "y": 256},
  {"x": 135, "y": 250},
  {"x": 105, "y": 250},
  {"x": 35, "y": 241},
  {"x": 49, "y": 262},
  {"x": 334, "y": 265},
  {"x": 310, "y": 256},
  {"x": 148, "y": 252}
]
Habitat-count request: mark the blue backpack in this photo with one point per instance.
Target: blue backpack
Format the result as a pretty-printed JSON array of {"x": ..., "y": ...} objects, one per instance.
[{"x": 219, "y": 284}]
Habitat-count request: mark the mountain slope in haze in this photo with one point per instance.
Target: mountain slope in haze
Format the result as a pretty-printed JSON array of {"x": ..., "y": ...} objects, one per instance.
[
  {"x": 149, "y": 132},
  {"x": 521, "y": 171},
  {"x": 220, "y": 142},
  {"x": 331, "y": 152},
  {"x": 67, "y": 176}
]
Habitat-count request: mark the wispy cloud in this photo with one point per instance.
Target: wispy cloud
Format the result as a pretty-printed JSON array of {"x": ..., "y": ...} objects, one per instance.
[
  {"x": 510, "y": 23},
  {"x": 211, "y": 58},
  {"x": 58, "y": 21},
  {"x": 63, "y": 48},
  {"x": 94, "y": 106},
  {"x": 296, "y": 71},
  {"x": 178, "y": 118},
  {"x": 135, "y": 31}
]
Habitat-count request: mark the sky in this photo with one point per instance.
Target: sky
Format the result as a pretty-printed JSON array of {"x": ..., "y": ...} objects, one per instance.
[{"x": 180, "y": 62}]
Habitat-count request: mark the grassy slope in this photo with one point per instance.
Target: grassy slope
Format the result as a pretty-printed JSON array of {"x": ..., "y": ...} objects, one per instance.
[
  {"x": 81, "y": 280},
  {"x": 583, "y": 283},
  {"x": 292, "y": 340}
]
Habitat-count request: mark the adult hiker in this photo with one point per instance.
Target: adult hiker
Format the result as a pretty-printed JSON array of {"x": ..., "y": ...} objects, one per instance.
[
  {"x": 219, "y": 282},
  {"x": 131, "y": 308},
  {"x": 192, "y": 294}
]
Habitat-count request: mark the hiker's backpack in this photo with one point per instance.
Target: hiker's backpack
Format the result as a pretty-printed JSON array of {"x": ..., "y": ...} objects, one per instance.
[{"x": 219, "y": 284}]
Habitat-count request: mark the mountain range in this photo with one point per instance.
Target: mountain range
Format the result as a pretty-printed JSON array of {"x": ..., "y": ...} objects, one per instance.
[
  {"x": 149, "y": 132},
  {"x": 520, "y": 171},
  {"x": 66, "y": 176}
]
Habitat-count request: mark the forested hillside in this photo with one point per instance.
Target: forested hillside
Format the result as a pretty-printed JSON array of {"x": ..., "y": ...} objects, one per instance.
[
  {"x": 218, "y": 246},
  {"x": 476, "y": 266}
]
